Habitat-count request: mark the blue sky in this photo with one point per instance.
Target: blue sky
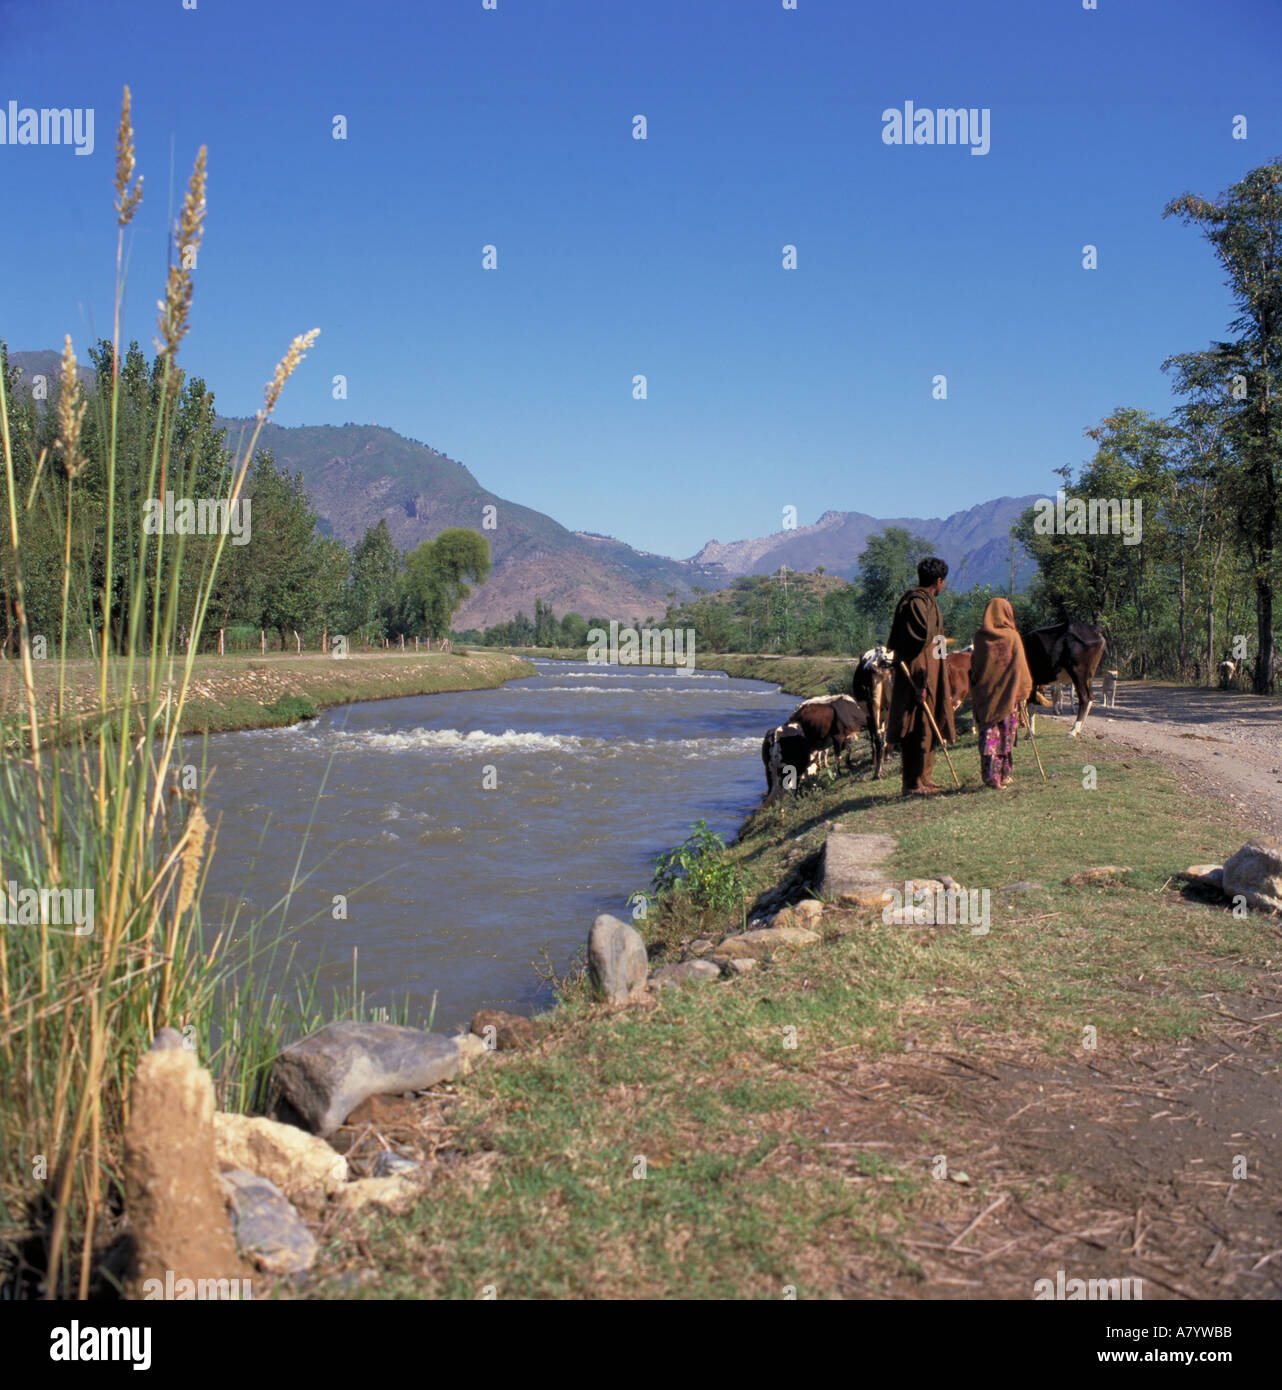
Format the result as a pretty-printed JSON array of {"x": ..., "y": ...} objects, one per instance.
[{"x": 513, "y": 127}]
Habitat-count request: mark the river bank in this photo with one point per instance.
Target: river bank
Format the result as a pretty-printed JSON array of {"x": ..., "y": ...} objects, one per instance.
[
  {"x": 262, "y": 692},
  {"x": 789, "y": 1122}
]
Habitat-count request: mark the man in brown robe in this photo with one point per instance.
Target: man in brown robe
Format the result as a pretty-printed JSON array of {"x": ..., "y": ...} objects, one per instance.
[{"x": 917, "y": 639}]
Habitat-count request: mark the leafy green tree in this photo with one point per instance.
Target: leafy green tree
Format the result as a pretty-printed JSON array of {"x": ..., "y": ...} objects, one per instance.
[
  {"x": 439, "y": 574},
  {"x": 887, "y": 570}
]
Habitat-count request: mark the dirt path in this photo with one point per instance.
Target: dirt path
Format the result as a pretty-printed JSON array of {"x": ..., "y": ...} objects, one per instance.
[{"x": 1220, "y": 743}]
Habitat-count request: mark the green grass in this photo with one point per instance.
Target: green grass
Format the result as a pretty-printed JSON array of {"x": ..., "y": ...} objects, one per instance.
[{"x": 705, "y": 1089}]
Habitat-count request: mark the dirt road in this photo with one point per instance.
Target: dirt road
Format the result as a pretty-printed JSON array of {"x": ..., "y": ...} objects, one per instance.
[{"x": 1220, "y": 743}]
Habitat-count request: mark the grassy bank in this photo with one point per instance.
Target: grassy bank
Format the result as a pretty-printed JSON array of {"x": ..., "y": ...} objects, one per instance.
[
  {"x": 744, "y": 1193},
  {"x": 256, "y": 692}
]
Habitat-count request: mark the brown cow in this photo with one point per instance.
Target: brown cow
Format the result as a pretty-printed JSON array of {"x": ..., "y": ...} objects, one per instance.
[
  {"x": 959, "y": 675},
  {"x": 830, "y": 723}
]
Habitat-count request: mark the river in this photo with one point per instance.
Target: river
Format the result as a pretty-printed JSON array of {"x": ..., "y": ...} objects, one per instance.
[{"x": 473, "y": 834}]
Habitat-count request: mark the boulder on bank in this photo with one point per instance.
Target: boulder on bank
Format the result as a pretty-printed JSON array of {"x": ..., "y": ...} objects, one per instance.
[
  {"x": 177, "y": 1216},
  {"x": 325, "y": 1076},
  {"x": 684, "y": 972},
  {"x": 764, "y": 943},
  {"x": 267, "y": 1227},
  {"x": 1255, "y": 873},
  {"x": 616, "y": 958},
  {"x": 511, "y": 1031},
  {"x": 301, "y": 1165}
]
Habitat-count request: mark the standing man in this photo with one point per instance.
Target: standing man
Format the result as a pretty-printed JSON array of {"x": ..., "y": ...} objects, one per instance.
[{"x": 917, "y": 639}]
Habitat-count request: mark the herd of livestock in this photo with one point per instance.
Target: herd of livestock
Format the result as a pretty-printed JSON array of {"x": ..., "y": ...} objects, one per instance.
[{"x": 820, "y": 729}]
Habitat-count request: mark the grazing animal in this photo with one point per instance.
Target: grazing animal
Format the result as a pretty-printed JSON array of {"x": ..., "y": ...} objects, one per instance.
[
  {"x": 872, "y": 685},
  {"x": 830, "y": 723},
  {"x": 1226, "y": 670},
  {"x": 959, "y": 675},
  {"x": 784, "y": 750},
  {"x": 1072, "y": 650},
  {"x": 1110, "y": 689}
]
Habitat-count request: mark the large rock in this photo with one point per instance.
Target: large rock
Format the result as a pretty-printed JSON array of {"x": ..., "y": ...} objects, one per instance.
[
  {"x": 267, "y": 1227},
  {"x": 511, "y": 1031},
  {"x": 616, "y": 958},
  {"x": 684, "y": 972},
  {"x": 177, "y": 1216},
  {"x": 301, "y": 1165},
  {"x": 1255, "y": 872},
  {"x": 850, "y": 862},
  {"x": 327, "y": 1075}
]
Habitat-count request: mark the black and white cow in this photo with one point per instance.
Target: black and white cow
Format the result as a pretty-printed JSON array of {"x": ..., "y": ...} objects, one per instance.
[
  {"x": 830, "y": 723},
  {"x": 871, "y": 686},
  {"x": 786, "y": 757}
]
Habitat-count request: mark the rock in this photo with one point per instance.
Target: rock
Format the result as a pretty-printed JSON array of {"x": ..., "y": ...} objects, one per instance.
[
  {"x": 913, "y": 886},
  {"x": 742, "y": 965},
  {"x": 511, "y": 1031},
  {"x": 267, "y": 1226},
  {"x": 785, "y": 917},
  {"x": 808, "y": 912},
  {"x": 616, "y": 958},
  {"x": 396, "y": 1193},
  {"x": 1097, "y": 875},
  {"x": 472, "y": 1050},
  {"x": 177, "y": 1216},
  {"x": 848, "y": 859},
  {"x": 763, "y": 944},
  {"x": 701, "y": 946},
  {"x": 390, "y": 1165},
  {"x": 684, "y": 972},
  {"x": 875, "y": 895},
  {"x": 1200, "y": 871},
  {"x": 1255, "y": 872},
  {"x": 324, "y": 1077},
  {"x": 300, "y": 1164}
]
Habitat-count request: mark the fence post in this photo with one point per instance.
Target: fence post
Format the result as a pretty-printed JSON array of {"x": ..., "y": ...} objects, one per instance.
[
  {"x": 262, "y": 640},
  {"x": 220, "y": 640}
]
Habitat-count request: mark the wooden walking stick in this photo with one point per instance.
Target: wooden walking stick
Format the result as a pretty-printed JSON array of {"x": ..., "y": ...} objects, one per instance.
[
  {"x": 926, "y": 709},
  {"x": 1028, "y": 724}
]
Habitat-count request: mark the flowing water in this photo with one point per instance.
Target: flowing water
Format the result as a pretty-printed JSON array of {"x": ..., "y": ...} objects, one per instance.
[{"x": 472, "y": 832}]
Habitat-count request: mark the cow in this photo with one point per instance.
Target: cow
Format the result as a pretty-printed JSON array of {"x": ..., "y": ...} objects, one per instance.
[
  {"x": 1110, "y": 689},
  {"x": 959, "y": 675},
  {"x": 830, "y": 723},
  {"x": 871, "y": 687},
  {"x": 1072, "y": 650},
  {"x": 784, "y": 750},
  {"x": 1226, "y": 671}
]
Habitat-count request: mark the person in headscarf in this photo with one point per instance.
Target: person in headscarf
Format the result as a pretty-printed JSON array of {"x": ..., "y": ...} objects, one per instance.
[
  {"x": 1000, "y": 682},
  {"x": 917, "y": 639}
]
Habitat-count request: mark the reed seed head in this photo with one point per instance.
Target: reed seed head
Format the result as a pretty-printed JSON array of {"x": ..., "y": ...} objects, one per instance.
[
  {"x": 192, "y": 855},
  {"x": 127, "y": 199},
  {"x": 71, "y": 413},
  {"x": 175, "y": 308},
  {"x": 286, "y": 368}
]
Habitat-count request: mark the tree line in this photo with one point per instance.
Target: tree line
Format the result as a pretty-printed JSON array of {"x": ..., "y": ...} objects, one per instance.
[{"x": 287, "y": 578}]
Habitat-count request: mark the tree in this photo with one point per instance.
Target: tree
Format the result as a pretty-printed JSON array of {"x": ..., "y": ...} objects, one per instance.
[
  {"x": 1245, "y": 232},
  {"x": 373, "y": 593},
  {"x": 438, "y": 576},
  {"x": 887, "y": 570}
]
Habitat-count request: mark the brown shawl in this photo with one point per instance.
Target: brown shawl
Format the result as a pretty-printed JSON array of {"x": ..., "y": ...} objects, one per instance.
[{"x": 999, "y": 674}]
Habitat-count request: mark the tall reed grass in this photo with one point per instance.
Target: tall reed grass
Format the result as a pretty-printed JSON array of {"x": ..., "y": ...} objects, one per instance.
[{"x": 99, "y": 806}]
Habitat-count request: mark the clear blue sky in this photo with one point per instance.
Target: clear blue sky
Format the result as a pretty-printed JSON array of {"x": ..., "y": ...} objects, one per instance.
[{"x": 616, "y": 256}]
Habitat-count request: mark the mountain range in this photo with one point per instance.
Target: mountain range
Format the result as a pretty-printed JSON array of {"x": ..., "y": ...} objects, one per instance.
[{"x": 358, "y": 475}]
